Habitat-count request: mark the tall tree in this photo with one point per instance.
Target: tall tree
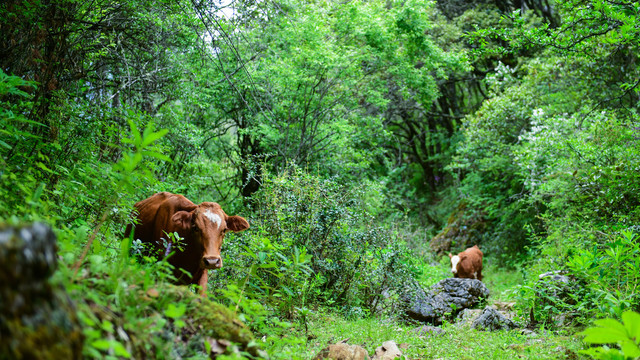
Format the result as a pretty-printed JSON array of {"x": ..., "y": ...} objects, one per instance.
[{"x": 312, "y": 83}]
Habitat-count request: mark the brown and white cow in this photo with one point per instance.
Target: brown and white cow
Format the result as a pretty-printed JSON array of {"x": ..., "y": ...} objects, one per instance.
[
  {"x": 467, "y": 264},
  {"x": 201, "y": 226}
]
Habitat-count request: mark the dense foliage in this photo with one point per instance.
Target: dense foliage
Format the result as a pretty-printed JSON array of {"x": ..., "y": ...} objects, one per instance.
[
  {"x": 347, "y": 133},
  {"x": 315, "y": 242}
]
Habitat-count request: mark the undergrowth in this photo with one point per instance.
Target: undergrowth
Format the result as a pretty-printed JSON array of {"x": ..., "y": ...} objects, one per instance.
[
  {"x": 457, "y": 342},
  {"x": 129, "y": 310}
]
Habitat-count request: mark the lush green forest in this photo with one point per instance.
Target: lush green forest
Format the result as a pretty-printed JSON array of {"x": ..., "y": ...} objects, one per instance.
[{"x": 362, "y": 140}]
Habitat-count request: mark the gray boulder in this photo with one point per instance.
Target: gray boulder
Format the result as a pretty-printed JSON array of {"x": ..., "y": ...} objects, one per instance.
[
  {"x": 446, "y": 298},
  {"x": 492, "y": 319},
  {"x": 461, "y": 293},
  {"x": 467, "y": 316},
  {"x": 557, "y": 275}
]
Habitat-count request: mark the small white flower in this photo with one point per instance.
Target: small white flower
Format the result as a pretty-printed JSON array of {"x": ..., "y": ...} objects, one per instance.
[{"x": 538, "y": 112}]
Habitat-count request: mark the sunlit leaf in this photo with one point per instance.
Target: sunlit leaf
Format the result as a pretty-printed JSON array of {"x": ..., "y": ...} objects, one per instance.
[
  {"x": 600, "y": 335},
  {"x": 631, "y": 320}
]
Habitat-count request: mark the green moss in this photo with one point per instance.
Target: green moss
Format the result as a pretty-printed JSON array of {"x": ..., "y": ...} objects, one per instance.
[
  {"x": 44, "y": 342},
  {"x": 165, "y": 320},
  {"x": 461, "y": 231},
  {"x": 37, "y": 318},
  {"x": 214, "y": 319}
]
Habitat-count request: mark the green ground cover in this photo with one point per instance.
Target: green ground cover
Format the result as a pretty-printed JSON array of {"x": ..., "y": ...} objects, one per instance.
[{"x": 459, "y": 341}]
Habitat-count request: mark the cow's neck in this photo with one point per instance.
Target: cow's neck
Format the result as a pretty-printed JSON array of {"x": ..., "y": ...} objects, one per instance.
[{"x": 185, "y": 260}]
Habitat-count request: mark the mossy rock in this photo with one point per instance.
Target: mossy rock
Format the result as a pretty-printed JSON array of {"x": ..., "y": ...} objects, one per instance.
[
  {"x": 211, "y": 321},
  {"x": 462, "y": 231},
  {"x": 37, "y": 318},
  {"x": 168, "y": 321}
]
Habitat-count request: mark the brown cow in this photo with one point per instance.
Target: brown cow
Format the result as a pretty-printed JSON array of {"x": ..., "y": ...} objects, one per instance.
[
  {"x": 467, "y": 264},
  {"x": 201, "y": 226}
]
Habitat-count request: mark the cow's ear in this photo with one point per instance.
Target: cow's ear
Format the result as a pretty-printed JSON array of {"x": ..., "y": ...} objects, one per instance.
[
  {"x": 450, "y": 256},
  {"x": 463, "y": 256},
  {"x": 183, "y": 219},
  {"x": 237, "y": 223}
]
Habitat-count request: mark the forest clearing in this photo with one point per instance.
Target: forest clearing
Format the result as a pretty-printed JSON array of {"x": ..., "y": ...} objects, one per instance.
[{"x": 239, "y": 179}]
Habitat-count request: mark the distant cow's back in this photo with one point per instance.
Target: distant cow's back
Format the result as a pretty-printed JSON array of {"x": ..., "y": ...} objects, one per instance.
[{"x": 467, "y": 264}]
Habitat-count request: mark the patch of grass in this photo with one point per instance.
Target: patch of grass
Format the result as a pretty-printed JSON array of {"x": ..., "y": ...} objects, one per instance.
[
  {"x": 501, "y": 282},
  {"x": 430, "y": 272},
  {"x": 458, "y": 341}
]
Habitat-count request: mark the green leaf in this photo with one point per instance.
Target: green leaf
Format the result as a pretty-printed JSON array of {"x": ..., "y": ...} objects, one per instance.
[
  {"x": 603, "y": 353},
  {"x": 86, "y": 319},
  {"x": 43, "y": 167},
  {"x": 611, "y": 324},
  {"x": 97, "y": 247},
  {"x": 174, "y": 311},
  {"x": 152, "y": 137},
  {"x": 157, "y": 155},
  {"x": 631, "y": 320},
  {"x": 267, "y": 266},
  {"x": 38, "y": 192},
  {"x": 120, "y": 350},
  {"x": 630, "y": 349},
  {"x": 125, "y": 246},
  {"x": 101, "y": 344},
  {"x": 107, "y": 326},
  {"x": 599, "y": 335},
  {"x": 137, "y": 140}
]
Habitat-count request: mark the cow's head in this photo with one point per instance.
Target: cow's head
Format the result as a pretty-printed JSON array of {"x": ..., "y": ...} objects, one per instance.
[
  {"x": 208, "y": 224},
  {"x": 455, "y": 260}
]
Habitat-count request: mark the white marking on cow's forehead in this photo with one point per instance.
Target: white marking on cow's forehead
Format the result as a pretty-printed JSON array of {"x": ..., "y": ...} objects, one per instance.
[
  {"x": 454, "y": 263},
  {"x": 215, "y": 218}
]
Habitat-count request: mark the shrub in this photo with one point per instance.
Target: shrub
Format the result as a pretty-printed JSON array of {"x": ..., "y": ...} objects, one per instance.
[
  {"x": 612, "y": 274},
  {"x": 312, "y": 241},
  {"x": 604, "y": 282}
]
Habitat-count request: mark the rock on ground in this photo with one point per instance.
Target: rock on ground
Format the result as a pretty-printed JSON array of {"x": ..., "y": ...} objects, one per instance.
[
  {"x": 468, "y": 316},
  {"x": 343, "y": 351},
  {"x": 463, "y": 293},
  {"x": 492, "y": 319},
  {"x": 37, "y": 318},
  {"x": 556, "y": 289},
  {"x": 388, "y": 351},
  {"x": 447, "y": 297}
]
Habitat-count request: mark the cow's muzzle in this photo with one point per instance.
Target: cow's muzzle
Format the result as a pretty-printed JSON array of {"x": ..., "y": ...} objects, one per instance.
[{"x": 213, "y": 262}]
